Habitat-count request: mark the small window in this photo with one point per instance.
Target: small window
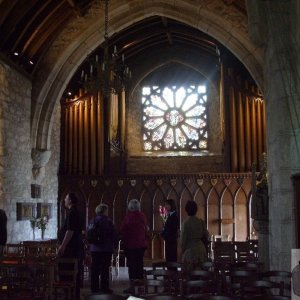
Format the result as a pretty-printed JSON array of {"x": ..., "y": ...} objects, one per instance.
[{"x": 174, "y": 118}]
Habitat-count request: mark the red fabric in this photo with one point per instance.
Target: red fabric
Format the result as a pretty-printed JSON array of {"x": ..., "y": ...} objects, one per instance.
[{"x": 133, "y": 230}]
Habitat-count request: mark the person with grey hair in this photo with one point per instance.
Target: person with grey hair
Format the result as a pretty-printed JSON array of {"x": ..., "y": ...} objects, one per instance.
[
  {"x": 133, "y": 231},
  {"x": 134, "y": 205},
  {"x": 102, "y": 251}
]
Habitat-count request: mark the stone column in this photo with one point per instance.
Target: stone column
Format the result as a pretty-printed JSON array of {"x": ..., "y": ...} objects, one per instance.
[
  {"x": 262, "y": 227},
  {"x": 282, "y": 94},
  {"x": 276, "y": 25}
]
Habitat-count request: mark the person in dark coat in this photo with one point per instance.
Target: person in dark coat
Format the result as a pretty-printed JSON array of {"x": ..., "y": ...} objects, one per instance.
[
  {"x": 102, "y": 252},
  {"x": 170, "y": 231},
  {"x": 3, "y": 231},
  {"x": 71, "y": 238}
]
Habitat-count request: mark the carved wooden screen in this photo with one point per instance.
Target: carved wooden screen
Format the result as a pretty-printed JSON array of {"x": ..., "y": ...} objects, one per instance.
[{"x": 223, "y": 200}]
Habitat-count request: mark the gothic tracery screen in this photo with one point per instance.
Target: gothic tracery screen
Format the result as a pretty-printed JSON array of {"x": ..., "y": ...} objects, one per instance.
[{"x": 175, "y": 118}]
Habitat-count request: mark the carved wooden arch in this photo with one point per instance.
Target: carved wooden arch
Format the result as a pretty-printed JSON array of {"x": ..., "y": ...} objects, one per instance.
[{"x": 241, "y": 207}]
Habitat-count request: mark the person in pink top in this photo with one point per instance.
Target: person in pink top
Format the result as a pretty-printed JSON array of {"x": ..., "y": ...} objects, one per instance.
[{"x": 133, "y": 231}]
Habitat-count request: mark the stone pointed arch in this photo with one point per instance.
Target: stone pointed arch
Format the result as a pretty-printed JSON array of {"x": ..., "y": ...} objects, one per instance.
[{"x": 83, "y": 35}]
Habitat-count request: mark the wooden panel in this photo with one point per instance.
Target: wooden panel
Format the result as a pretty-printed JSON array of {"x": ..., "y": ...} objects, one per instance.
[
  {"x": 241, "y": 219},
  {"x": 217, "y": 195}
]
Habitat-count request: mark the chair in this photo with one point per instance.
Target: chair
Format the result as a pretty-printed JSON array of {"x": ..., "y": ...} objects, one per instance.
[
  {"x": 104, "y": 297},
  {"x": 166, "y": 265},
  {"x": 162, "y": 297},
  {"x": 170, "y": 276},
  {"x": 210, "y": 297},
  {"x": 116, "y": 259},
  {"x": 196, "y": 288},
  {"x": 13, "y": 252},
  {"x": 151, "y": 287},
  {"x": 236, "y": 279},
  {"x": 254, "y": 248},
  {"x": 244, "y": 252},
  {"x": 257, "y": 288},
  {"x": 282, "y": 277},
  {"x": 42, "y": 275},
  {"x": 246, "y": 266},
  {"x": 199, "y": 274},
  {"x": 65, "y": 273},
  {"x": 26, "y": 281},
  {"x": 208, "y": 266},
  {"x": 16, "y": 281},
  {"x": 221, "y": 238},
  {"x": 224, "y": 252},
  {"x": 41, "y": 251}
]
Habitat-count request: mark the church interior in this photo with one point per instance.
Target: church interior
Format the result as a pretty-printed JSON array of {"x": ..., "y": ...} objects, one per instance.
[{"x": 153, "y": 100}]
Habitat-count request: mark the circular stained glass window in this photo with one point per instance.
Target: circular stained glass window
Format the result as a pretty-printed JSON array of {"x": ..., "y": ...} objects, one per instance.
[{"x": 174, "y": 118}]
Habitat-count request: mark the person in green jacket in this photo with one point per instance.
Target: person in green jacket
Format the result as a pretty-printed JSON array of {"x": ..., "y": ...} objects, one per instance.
[{"x": 193, "y": 233}]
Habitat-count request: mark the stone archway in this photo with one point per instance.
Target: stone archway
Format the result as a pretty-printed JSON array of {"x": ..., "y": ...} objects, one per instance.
[
  {"x": 81, "y": 37},
  {"x": 229, "y": 27}
]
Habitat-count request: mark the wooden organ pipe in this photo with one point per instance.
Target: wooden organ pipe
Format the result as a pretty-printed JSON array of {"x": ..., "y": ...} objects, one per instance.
[
  {"x": 70, "y": 136},
  {"x": 66, "y": 140},
  {"x": 80, "y": 137},
  {"x": 122, "y": 119},
  {"x": 93, "y": 136},
  {"x": 253, "y": 131},
  {"x": 100, "y": 152},
  {"x": 241, "y": 136},
  {"x": 259, "y": 128},
  {"x": 233, "y": 134},
  {"x": 222, "y": 101},
  {"x": 75, "y": 139},
  {"x": 263, "y": 118},
  {"x": 248, "y": 161},
  {"x": 113, "y": 117},
  {"x": 86, "y": 156}
]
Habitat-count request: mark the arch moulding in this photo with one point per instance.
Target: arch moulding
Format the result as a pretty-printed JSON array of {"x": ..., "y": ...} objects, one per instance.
[{"x": 61, "y": 64}]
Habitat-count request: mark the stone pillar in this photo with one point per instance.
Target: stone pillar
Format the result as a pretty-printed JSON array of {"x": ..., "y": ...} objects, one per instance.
[
  {"x": 262, "y": 227},
  {"x": 282, "y": 96},
  {"x": 275, "y": 24}
]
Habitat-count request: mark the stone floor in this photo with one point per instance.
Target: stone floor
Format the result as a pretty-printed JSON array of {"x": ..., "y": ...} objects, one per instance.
[{"x": 118, "y": 284}]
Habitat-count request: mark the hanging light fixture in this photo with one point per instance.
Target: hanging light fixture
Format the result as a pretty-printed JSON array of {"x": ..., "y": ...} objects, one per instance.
[{"x": 109, "y": 75}]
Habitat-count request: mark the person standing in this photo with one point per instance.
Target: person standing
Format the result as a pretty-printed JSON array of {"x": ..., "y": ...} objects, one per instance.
[
  {"x": 133, "y": 231},
  {"x": 71, "y": 239},
  {"x": 193, "y": 232},
  {"x": 3, "y": 231},
  {"x": 170, "y": 231},
  {"x": 102, "y": 252}
]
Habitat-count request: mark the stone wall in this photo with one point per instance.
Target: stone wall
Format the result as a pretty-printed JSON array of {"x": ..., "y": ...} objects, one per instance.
[
  {"x": 15, "y": 155},
  {"x": 15, "y": 161}
]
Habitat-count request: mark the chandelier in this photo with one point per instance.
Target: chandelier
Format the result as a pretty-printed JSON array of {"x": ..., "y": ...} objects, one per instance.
[{"x": 109, "y": 75}]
